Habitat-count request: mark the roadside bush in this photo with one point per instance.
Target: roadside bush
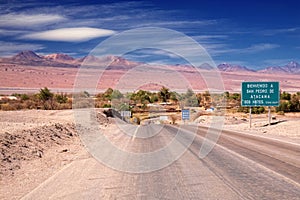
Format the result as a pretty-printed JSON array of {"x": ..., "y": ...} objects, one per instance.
[
  {"x": 243, "y": 109},
  {"x": 258, "y": 110},
  {"x": 255, "y": 110},
  {"x": 284, "y": 106},
  {"x": 280, "y": 113},
  {"x": 61, "y": 98},
  {"x": 7, "y": 107},
  {"x": 173, "y": 119}
]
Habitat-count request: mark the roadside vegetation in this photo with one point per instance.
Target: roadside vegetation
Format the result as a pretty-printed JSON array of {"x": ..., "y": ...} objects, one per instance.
[{"x": 143, "y": 101}]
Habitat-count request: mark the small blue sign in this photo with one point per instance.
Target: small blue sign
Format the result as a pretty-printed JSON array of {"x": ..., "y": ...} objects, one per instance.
[{"x": 185, "y": 114}]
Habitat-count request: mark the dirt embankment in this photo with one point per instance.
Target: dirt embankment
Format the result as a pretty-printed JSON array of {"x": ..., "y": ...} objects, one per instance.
[
  {"x": 36, "y": 144},
  {"x": 31, "y": 144},
  {"x": 23, "y": 140}
]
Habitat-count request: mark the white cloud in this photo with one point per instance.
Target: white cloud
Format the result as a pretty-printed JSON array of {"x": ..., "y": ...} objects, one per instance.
[
  {"x": 70, "y": 34},
  {"x": 10, "y": 48},
  {"x": 155, "y": 52},
  {"x": 29, "y": 20},
  {"x": 174, "y": 24},
  {"x": 221, "y": 49},
  {"x": 272, "y": 32},
  {"x": 260, "y": 47},
  {"x": 209, "y": 38}
]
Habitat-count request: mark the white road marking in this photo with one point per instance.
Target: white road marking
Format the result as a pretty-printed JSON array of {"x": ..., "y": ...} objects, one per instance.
[{"x": 135, "y": 132}]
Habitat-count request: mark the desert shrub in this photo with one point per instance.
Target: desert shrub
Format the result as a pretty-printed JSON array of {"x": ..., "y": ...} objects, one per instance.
[
  {"x": 280, "y": 113},
  {"x": 255, "y": 110},
  {"x": 30, "y": 104},
  {"x": 285, "y": 96},
  {"x": 7, "y": 107},
  {"x": 45, "y": 94},
  {"x": 173, "y": 119},
  {"x": 258, "y": 110},
  {"x": 82, "y": 100},
  {"x": 136, "y": 120},
  {"x": 243, "y": 109},
  {"x": 235, "y": 96},
  {"x": 284, "y": 106},
  {"x": 63, "y": 106},
  {"x": 61, "y": 98},
  {"x": 106, "y": 105},
  {"x": 83, "y": 103}
]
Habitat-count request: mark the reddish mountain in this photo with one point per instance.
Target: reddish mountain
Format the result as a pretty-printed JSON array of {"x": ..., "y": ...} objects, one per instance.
[
  {"x": 290, "y": 68},
  {"x": 59, "y": 57},
  {"x": 225, "y": 67},
  {"x": 273, "y": 70},
  {"x": 30, "y": 58},
  {"x": 117, "y": 62},
  {"x": 111, "y": 62},
  {"x": 26, "y": 56}
]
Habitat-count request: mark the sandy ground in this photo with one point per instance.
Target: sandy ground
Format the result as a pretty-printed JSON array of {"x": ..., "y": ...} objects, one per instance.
[
  {"x": 23, "y": 79},
  {"x": 283, "y": 127},
  {"x": 35, "y": 144}
]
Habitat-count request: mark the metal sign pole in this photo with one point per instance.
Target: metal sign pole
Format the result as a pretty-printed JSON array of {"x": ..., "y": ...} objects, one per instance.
[
  {"x": 269, "y": 115},
  {"x": 250, "y": 117}
]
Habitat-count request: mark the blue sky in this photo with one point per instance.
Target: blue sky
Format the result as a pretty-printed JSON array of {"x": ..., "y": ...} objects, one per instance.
[{"x": 253, "y": 34}]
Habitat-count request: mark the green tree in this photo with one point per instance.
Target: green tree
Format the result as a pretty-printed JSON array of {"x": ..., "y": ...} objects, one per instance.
[
  {"x": 235, "y": 96},
  {"x": 258, "y": 110},
  {"x": 143, "y": 97},
  {"x": 189, "y": 93},
  {"x": 61, "y": 98},
  {"x": 116, "y": 94},
  {"x": 284, "y": 106},
  {"x": 226, "y": 94},
  {"x": 108, "y": 94},
  {"x": 189, "y": 99},
  {"x": 164, "y": 94},
  {"x": 174, "y": 96},
  {"x": 46, "y": 96},
  {"x": 285, "y": 96},
  {"x": 154, "y": 97},
  {"x": 24, "y": 97},
  {"x": 295, "y": 103}
]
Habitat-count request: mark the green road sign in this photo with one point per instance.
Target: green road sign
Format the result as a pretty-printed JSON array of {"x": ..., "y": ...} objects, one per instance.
[{"x": 260, "y": 94}]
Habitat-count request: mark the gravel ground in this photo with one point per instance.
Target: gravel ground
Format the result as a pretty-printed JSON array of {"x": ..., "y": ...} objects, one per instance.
[
  {"x": 34, "y": 144},
  {"x": 283, "y": 127}
]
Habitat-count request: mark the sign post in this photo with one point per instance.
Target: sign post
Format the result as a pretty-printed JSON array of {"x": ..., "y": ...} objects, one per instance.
[
  {"x": 269, "y": 115},
  {"x": 260, "y": 94},
  {"x": 250, "y": 117},
  {"x": 125, "y": 114},
  {"x": 185, "y": 114}
]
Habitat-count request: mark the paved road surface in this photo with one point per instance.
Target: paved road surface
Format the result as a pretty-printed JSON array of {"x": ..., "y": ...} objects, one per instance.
[{"x": 239, "y": 167}]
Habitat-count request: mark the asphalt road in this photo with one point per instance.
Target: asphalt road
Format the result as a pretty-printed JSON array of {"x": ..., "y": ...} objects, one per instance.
[{"x": 240, "y": 166}]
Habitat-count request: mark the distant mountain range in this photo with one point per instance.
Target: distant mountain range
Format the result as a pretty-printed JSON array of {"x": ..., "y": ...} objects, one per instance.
[
  {"x": 290, "y": 68},
  {"x": 225, "y": 67},
  {"x": 30, "y": 58}
]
